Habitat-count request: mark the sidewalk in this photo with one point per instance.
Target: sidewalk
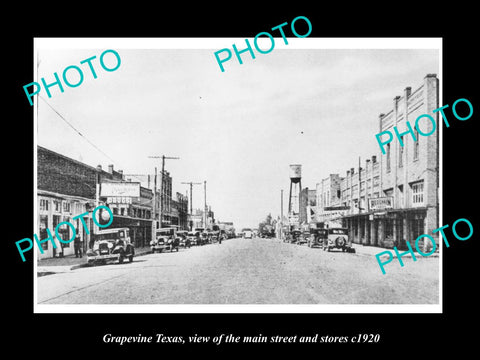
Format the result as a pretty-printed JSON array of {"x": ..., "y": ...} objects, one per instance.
[
  {"x": 367, "y": 250},
  {"x": 70, "y": 262}
]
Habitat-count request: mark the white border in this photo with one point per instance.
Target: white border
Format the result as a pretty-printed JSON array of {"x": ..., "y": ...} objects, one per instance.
[{"x": 217, "y": 44}]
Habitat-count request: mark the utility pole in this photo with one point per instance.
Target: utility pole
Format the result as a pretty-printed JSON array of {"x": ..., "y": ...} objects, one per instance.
[
  {"x": 205, "y": 201},
  {"x": 191, "y": 206},
  {"x": 281, "y": 214},
  {"x": 163, "y": 157},
  {"x": 154, "y": 225}
]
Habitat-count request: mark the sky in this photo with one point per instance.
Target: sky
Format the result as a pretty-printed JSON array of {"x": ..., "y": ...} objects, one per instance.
[{"x": 240, "y": 129}]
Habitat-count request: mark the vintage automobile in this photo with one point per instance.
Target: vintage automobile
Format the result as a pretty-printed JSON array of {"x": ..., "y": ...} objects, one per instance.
[
  {"x": 213, "y": 236},
  {"x": 247, "y": 233},
  {"x": 337, "y": 238},
  {"x": 204, "y": 238},
  {"x": 317, "y": 237},
  {"x": 303, "y": 237},
  {"x": 184, "y": 241},
  {"x": 163, "y": 239},
  {"x": 111, "y": 245},
  {"x": 194, "y": 238},
  {"x": 293, "y": 236}
]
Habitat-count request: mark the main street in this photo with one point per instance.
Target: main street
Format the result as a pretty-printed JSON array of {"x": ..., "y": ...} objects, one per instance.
[{"x": 247, "y": 271}]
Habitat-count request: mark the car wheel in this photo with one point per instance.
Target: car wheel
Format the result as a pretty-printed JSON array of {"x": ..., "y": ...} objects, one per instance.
[
  {"x": 120, "y": 259},
  {"x": 130, "y": 258}
]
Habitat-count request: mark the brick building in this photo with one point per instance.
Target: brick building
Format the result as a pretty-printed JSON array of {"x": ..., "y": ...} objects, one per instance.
[
  {"x": 67, "y": 188},
  {"x": 393, "y": 199},
  {"x": 179, "y": 215}
]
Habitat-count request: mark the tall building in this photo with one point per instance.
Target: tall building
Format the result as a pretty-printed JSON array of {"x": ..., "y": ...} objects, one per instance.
[{"x": 393, "y": 198}]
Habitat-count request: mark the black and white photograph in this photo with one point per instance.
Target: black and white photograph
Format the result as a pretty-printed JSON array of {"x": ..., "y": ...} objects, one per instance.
[
  {"x": 262, "y": 187},
  {"x": 225, "y": 180}
]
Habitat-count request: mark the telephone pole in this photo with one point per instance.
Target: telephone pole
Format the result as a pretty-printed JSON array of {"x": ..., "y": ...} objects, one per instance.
[
  {"x": 163, "y": 157},
  {"x": 191, "y": 207},
  {"x": 205, "y": 201},
  {"x": 281, "y": 214}
]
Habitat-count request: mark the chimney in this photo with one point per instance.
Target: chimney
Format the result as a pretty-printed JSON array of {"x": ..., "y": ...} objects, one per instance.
[
  {"x": 408, "y": 91},
  {"x": 121, "y": 173},
  {"x": 99, "y": 167},
  {"x": 110, "y": 168},
  {"x": 374, "y": 158},
  {"x": 352, "y": 171}
]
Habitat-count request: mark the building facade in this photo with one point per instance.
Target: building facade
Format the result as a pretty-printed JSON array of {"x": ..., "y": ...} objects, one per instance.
[
  {"x": 67, "y": 188},
  {"x": 308, "y": 200},
  {"x": 179, "y": 214},
  {"x": 393, "y": 198}
]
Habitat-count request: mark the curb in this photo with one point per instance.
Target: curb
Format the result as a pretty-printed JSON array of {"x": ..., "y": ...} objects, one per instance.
[{"x": 51, "y": 269}]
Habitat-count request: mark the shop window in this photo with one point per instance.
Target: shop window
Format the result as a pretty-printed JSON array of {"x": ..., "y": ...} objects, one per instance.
[
  {"x": 65, "y": 232},
  {"x": 389, "y": 228},
  {"x": 115, "y": 211},
  {"x": 417, "y": 226},
  {"x": 122, "y": 211},
  {"x": 43, "y": 225},
  {"x": 417, "y": 194}
]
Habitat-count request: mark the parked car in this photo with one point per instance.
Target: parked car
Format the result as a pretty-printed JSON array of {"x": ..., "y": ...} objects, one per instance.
[
  {"x": 337, "y": 238},
  {"x": 173, "y": 244},
  {"x": 184, "y": 241},
  {"x": 204, "y": 238},
  {"x": 293, "y": 236},
  {"x": 303, "y": 237},
  {"x": 162, "y": 238},
  {"x": 194, "y": 237},
  {"x": 111, "y": 245},
  {"x": 317, "y": 237}
]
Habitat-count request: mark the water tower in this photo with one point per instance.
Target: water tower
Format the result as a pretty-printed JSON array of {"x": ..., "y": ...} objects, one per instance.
[{"x": 294, "y": 197}]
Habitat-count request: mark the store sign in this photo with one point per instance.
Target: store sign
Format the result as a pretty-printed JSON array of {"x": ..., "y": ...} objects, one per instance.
[
  {"x": 123, "y": 189},
  {"x": 119, "y": 200},
  {"x": 336, "y": 208},
  {"x": 381, "y": 203},
  {"x": 332, "y": 212}
]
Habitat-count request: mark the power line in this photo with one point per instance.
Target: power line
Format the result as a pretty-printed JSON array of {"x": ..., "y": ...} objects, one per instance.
[{"x": 79, "y": 133}]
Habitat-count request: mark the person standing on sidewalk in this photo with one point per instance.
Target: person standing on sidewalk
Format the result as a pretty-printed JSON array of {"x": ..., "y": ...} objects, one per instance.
[{"x": 77, "y": 243}]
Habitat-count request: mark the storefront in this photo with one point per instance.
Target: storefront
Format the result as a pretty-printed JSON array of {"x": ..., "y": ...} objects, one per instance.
[
  {"x": 388, "y": 228},
  {"x": 56, "y": 208},
  {"x": 140, "y": 229}
]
